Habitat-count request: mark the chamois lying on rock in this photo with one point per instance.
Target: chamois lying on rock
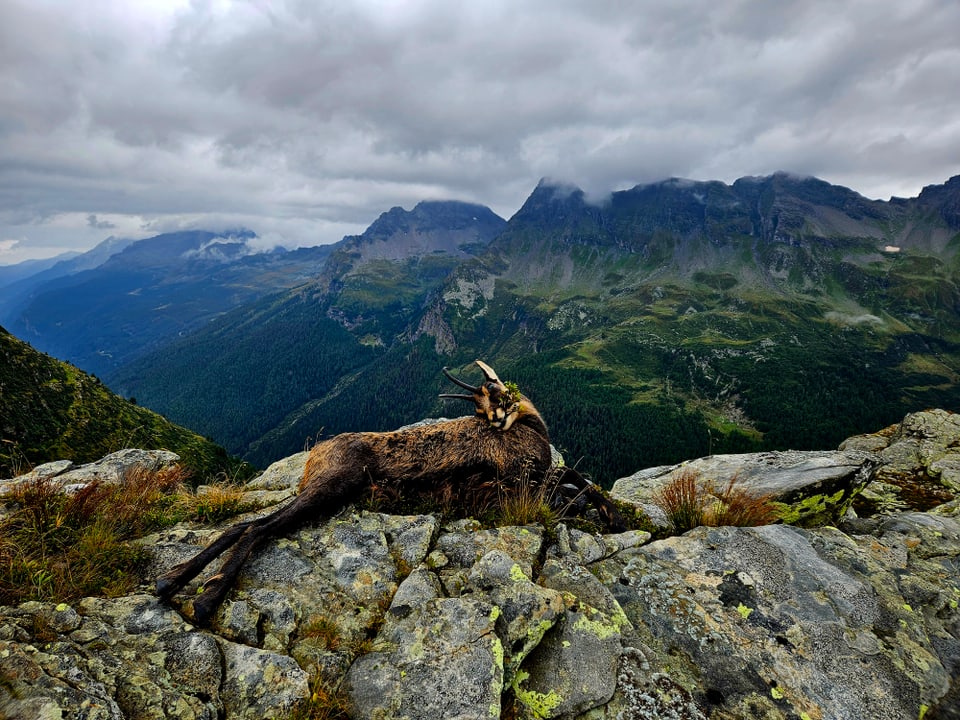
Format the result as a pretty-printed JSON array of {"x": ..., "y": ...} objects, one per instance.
[{"x": 504, "y": 443}]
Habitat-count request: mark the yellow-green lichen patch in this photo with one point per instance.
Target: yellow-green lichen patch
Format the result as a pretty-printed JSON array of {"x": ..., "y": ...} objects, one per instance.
[
  {"x": 496, "y": 649},
  {"x": 517, "y": 574},
  {"x": 744, "y": 611},
  {"x": 596, "y": 623},
  {"x": 809, "y": 508},
  {"x": 537, "y": 631},
  {"x": 540, "y": 705}
]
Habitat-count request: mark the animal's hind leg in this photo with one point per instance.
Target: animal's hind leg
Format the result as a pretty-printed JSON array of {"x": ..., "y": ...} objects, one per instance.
[
  {"x": 176, "y": 577},
  {"x": 215, "y": 589}
]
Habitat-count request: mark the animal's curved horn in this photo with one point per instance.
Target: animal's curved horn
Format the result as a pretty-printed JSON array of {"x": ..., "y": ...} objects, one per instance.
[
  {"x": 459, "y": 382},
  {"x": 457, "y": 396},
  {"x": 487, "y": 371}
]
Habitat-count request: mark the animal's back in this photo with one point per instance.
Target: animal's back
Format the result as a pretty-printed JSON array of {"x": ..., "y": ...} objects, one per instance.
[{"x": 425, "y": 453}]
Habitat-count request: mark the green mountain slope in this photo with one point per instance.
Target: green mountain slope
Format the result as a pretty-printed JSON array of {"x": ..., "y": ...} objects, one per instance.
[
  {"x": 672, "y": 320},
  {"x": 50, "y": 410},
  {"x": 154, "y": 290},
  {"x": 252, "y": 378},
  {"x": 779, "y": 311}
]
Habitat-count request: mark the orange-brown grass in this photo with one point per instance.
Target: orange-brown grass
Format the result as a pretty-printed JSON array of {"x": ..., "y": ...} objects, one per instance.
[
  {"x": 689, "y": 501},
  {"x": 325, "y": 703},
  {"x": 55, "y": 546},
  {"x": 683, "y": 501},
  {"x": 738, "y": 507}
]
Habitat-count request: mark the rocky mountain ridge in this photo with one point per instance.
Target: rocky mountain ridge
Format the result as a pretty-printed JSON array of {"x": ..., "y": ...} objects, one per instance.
[{"x": 415, "y": 617}]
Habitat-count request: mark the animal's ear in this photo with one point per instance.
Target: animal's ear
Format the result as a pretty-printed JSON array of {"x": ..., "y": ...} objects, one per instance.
[{"x": 488, "y": 372}]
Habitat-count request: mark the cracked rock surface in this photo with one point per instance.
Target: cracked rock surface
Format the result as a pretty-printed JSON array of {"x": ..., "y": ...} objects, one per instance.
[{"x": 410, "y": 617}]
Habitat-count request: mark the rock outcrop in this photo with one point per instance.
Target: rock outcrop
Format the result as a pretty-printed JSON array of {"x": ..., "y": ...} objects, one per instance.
[
  {"x": 811, "y": 488},
  {"x": 411, "y": 617},
  {"x": 109, "y": 469}
]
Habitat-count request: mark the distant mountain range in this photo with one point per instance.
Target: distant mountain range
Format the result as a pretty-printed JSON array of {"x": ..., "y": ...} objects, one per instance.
[
  {"x": 669, "y": 321},
  {"x": 122, "y": 299}
]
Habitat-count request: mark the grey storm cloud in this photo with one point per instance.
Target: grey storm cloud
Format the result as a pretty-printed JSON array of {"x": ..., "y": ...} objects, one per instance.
[
  {"x": 305, "y": 120},
  {"x": 93, "y": 222}
]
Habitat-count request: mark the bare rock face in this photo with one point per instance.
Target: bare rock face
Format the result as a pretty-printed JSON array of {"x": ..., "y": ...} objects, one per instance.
[
  {"x": 131, "y": 658},
  {"x": 782, "y": 622},
  {"x": 109, "y": 469},
  {"x": 443, "y": 660}
]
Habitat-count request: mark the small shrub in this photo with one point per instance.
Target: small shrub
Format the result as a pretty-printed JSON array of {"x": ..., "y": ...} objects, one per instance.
[
  {"x": 322, "y": 631},
  {"x": 688, "y": 502},
  {"x": 13, "y": 460},
  {"x": 219, "y": 502},
  {"x": 326, "y": 702}
]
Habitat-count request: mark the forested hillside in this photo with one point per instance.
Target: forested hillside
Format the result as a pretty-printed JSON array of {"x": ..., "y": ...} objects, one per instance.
[
  {"x": 50, "y": 410},
  {"x": 669, "y": 321},
  {"x": 255, "y": 377}
]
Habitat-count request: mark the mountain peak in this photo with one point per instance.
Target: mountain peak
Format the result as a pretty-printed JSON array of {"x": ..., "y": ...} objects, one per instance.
[{"x": 434, "y": 216}]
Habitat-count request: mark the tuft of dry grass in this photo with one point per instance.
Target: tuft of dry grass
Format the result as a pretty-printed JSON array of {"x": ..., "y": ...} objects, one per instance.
[
  {"x": 526, "y": 503},
  {"x": 689, "y": 501},
  {"x": 322, "y": 631},
  {"x": 55, "y": 546},
  {"x": 326, "y": 702},
  {"x": 683, "y": 500},
  {"x": 737, "y": 507},
  {"x": 217, "y": 503}
]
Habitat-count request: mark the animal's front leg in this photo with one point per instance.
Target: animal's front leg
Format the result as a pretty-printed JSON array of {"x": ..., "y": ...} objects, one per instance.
[{"x": 609, "y": 514}]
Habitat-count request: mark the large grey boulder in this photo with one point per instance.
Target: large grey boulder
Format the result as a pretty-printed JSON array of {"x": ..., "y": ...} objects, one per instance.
[
  {"x": 133, "y": 658},
  {"x": 811, "y": 487},
  {"x": 780, "y": 622},
  {"x": 442, "y": 660},
  {"x": 344, "y": 571},
  {"x": 284, "y": 474},
  {"x": 526, "y": 610}
]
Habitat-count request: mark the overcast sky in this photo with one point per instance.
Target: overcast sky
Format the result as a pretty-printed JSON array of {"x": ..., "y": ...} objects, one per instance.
[{"x": 304, "y": 120}]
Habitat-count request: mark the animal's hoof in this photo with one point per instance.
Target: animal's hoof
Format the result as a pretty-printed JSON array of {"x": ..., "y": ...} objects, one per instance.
[
  {"x": 203, "y": 612},
  {"x": 165, "y": 588}
]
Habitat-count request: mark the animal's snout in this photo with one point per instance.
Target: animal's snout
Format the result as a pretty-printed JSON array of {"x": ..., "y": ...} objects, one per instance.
[{"x": 499, "y": 416}]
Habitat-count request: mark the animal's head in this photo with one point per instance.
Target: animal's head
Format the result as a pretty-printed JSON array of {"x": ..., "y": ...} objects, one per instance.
[{"x": 499, "y": 403}]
